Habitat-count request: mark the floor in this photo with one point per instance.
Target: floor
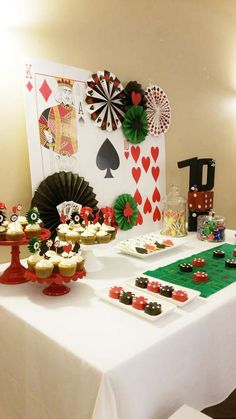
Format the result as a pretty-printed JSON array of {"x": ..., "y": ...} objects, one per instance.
[{"x": 224, "y": 410}]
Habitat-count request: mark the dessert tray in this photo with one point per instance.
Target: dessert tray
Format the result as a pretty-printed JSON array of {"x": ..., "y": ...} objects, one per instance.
[
  {"x": 55, "y": 282},
  {"x": 148, "y": 244},
  {"x": 167, "y": 307},
  {"x": 192, "y": 294}
]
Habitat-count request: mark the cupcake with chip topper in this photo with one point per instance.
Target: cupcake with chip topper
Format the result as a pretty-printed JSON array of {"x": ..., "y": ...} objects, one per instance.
[
  {"x": 14, "y": 230},
  {"x": 32, "y": 229},
  {"x": 3, "y": 228},
  {"x": 34, "y": 248}
]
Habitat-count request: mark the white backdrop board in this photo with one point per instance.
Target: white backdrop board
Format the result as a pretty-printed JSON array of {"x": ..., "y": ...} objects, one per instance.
[{"x": 139, "y": 169}]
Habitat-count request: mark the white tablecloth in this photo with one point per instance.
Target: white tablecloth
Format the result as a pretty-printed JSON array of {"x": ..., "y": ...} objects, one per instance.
[{"x": 77, "y": 357}]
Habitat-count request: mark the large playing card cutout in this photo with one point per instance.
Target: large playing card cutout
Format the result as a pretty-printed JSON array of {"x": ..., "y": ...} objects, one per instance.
[{"x": 107, "y": 158}]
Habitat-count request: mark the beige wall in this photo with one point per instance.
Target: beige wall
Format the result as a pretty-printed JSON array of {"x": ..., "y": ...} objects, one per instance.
[{"x": 185, "y": 46}]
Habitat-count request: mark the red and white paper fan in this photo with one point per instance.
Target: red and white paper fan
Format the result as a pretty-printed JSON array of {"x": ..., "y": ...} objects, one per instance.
[
  {"x": 105, "y": 99},
  {"x": 158, "y": 110}
]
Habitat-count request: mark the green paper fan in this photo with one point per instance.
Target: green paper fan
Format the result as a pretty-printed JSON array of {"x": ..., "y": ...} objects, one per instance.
[
  {"x": 126, "y": 211},
  {"x": 135, "y": 125},
  {"x": 32, "y": 215},
  {"x": 34, "y": 245}
]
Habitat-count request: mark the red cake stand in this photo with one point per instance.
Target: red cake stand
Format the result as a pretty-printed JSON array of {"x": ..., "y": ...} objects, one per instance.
[
  {"x": 15, "y": 272},
  {"x": 55, "y": 281}
]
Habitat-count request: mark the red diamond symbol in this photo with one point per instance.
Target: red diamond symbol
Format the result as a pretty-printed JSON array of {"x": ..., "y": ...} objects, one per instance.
[
  {"x": 45, "y": 90},
  {"x": 29, "y": 86}
]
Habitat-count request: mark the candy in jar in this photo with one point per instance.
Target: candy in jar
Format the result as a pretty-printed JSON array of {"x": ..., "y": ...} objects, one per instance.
[
  {"x": 211, "y": 228},
  {"x": 174, "y": 214}
]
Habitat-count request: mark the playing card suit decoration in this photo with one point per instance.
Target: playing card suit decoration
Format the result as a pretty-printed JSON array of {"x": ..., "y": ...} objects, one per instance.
[
  {"x": 158, "y": 110},
  {"x": 106, "y": 100},
  {"x": 57, "y": 188},
  {"x": 126, "y": 211},
  {"x": 134, "y": 95},
  {"x": 135, "y": 125}
]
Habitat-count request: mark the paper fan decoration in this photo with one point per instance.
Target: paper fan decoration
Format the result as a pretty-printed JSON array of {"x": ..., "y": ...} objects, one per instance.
[
  {"x": 105, "y": 99},
  {"x": 57, "y": 188},
  {"x": 34, "y": 245},
  {"x": 134, "y": 95},
  {"x": 158, "y": 110},
  {"x": 32, "y": 216},
  {"x": 135, "y": 125},
  {"x": 126, "y": 211}
]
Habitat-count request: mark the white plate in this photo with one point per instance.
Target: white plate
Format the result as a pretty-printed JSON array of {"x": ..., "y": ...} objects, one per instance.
[
  {"x": 191, "y": 293},
  {"x": 128, "y": 246},
  {"x": 166, "y": 306}
]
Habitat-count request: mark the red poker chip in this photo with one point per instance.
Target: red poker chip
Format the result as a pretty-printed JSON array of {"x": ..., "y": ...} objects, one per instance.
[
  {"x": 180, "y": 295},
  {"x": 198, "y": 262},
  {"x": 114, "y": 292},
  {"x": 200, "y": 277},
  {"x": 154, "y": 286},
  {"x": 139, "y": 303}
]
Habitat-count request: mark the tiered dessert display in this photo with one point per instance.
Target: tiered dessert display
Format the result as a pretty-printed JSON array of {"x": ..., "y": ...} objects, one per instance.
[
  {"x": 17, "y": 233},
  {"x": 54, "y": 267}
]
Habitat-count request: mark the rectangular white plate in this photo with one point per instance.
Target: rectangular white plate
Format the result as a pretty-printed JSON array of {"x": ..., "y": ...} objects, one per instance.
[
  {"x": 128, "y": 246},
  {"x": 191, "y": 293},
  {"x": 166, "y": 306}
]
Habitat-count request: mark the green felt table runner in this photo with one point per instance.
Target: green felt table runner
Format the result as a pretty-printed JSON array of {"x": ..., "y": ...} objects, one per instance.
[{"x": 219, "y": 276}]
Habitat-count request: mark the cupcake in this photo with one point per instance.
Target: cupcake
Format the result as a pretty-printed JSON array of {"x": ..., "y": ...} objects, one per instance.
[
  {"x": 43, "y": 269},
  {"x": 79, "y": 260},
  {"x": 87, "y": 237},
  {"x": 103, "y": 237},
  {"x": 72, "y": 236},
  {"x": 49, "y": 254},
  {"x": 14, "y": 232},
  {"x": 67, "y": 267},
  {"x": 109, "y": 229},
  {"x": 55, "y": 260},
  {"x": 32, "y": 230},
  {"x": 32, "y": 260},
  {"x": 23, "y": 221},
  {"x": 62, "y": 229}
]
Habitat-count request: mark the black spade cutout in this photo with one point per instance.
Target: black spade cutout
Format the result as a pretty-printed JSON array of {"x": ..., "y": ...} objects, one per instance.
[{"x": 107, "y": 158}]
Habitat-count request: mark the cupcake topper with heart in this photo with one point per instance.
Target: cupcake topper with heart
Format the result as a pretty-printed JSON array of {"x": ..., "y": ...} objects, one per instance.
[
  {"x": 3, "y": 206},
  {"x": 32, "y": 215},
  {"x": 34, "y": 245},
  {"x": 67, "y": 248},
  {"x": 18, "y": 208},
  {"x": 63, "y": 218},
  {"x": 108, "y": 215},
  {"x": 85, "y": 213}
]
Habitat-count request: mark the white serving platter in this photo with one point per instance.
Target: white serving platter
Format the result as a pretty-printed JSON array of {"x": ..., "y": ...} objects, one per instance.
[
  {"x": 191, "y": 293},
  {"x": 167, "y": 307},
  {"x": 129, "y": 246}
]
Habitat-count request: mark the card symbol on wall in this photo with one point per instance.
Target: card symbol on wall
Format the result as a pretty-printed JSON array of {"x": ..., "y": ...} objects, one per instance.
[{"x": 107, "y": 158}]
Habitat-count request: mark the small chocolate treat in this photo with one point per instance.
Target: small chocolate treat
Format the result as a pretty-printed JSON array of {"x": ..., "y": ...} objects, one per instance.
[
  {"x": 141, "y": 282},
  {"x": 126, "y": 297},
  {"x": 218, "y": 254},
  {"x": 152, "y": 308},
  {"x": 166, "y": 290},
  {"x": 230, "y": 263},
  {"x": 186, "y": 267}
]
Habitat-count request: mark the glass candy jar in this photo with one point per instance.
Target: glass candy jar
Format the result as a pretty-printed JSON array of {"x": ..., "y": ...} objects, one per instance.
[
  {"x": 174, "y": 214},
  {"x": 211, "y": 228}
]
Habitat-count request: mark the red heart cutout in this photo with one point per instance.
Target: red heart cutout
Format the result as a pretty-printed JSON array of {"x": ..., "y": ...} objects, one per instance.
[
  {"x": 138, "y": 197},
  {"x": 139, "y": 219},
  {"x": 147, "y": 206},
  {"x": 156, "y": 215},
  {"x": 135, "y": 151},
  {"x": 155, "y": 172},
  {"x": 146, "y": 163},
  {"x": 155, "y": 153},
  {"x": 156, "y": 195},
  {"x": 136, "y": 172},
  {"x": 126, "y": 154},
  {"x": 67, "y": 248},
  {"x": 136, "y": 98}
]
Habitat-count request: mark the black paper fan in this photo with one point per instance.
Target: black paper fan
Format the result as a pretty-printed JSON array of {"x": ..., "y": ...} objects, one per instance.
[{"x": 58, "y": 188}]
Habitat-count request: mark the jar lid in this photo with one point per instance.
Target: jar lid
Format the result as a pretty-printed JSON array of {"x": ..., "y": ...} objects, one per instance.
[{"x": 174, "y": 196}]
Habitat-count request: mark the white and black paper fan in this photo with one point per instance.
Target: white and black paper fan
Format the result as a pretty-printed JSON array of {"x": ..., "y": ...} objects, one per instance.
[{"x": 57, "y": 188}]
